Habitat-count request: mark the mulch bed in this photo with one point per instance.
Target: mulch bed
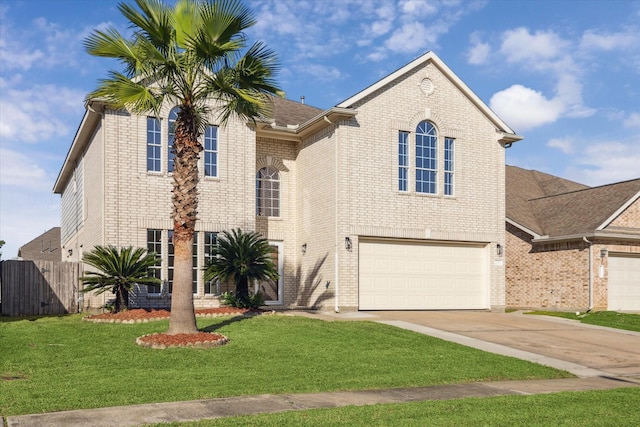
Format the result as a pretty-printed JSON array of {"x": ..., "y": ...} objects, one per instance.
[
  {"x": 163, "y": 341},
  {"x": 141, "y": 315}
]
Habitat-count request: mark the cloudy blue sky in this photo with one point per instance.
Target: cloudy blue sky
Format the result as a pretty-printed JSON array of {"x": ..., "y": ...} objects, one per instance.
[{"x": 564, "y": 74}]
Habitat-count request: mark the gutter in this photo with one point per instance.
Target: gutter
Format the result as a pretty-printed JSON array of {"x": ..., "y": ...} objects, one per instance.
[
  {"x": 336, "y": 267},
  {"x": 590, "y": 272},
  {"x": 594, "y": 235}
]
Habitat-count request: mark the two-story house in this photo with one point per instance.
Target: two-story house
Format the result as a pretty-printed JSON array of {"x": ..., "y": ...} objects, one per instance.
[{"x": 392, "y": 199}]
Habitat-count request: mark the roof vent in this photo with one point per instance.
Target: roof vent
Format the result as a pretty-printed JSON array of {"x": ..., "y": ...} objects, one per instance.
[{"x": 426, "y": 86}]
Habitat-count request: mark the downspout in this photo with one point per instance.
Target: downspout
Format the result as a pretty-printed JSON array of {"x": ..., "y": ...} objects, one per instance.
[
  {"x": 337, "y": 241},
  {"x": 590, "y": 272}
]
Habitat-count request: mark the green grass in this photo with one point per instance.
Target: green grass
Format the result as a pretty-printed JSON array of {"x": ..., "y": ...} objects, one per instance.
[
  {"x": 611, "y": 319},
  {"x": 63, "y": 363},
  {"x": 617, "y": 407}
]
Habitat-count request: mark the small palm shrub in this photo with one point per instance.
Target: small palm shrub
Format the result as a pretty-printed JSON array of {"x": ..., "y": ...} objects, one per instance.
[
  {"x": 243, "y": 258},
  {"x": 117, "y": 271},
  {"x": 253, "y": 301}
]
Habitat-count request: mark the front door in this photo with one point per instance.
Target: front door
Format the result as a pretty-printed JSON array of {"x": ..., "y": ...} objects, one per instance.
[{"x": 273, "y": 290}]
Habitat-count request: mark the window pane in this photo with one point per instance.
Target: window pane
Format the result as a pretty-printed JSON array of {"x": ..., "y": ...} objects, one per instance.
[
  {"x": 426, "y": 158},
  {"x": 154, "y": 244},
  {"x": 153, "y": 144},
  {"x": 449, "y": 144},
  {"x": 173, "y": 115},
  {"x": 403, "y": 160},
  {"x": 209, "y": 242},
  {"x": 268, "y": 192},
  {"x": 211, "y": 151}
]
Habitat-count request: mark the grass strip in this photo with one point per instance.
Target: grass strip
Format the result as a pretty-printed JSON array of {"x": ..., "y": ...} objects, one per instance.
[
  {"x": 62, "y": 363},
  {"x": 617, "y": 407},
  {"x": 610, "y": 319}
]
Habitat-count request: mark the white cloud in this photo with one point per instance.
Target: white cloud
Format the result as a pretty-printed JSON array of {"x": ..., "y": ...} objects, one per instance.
[
  {"x": 606, "y": 162},
  {"x": 633, "y": 120},
  {"x": 20, "y": 171},
  {"x": 323, "y": 72},
  {"x": 411, "y": 37},
  {"x": 479, "y": 51},
  {"x": 412, "y": 7},
  {"x": 520, "y": 45},
  {"x": 563, "y": 144},
  {"x": 523, "y": 108},
  {"x": 609, "y": 41},
  {"x": 38, "y": 113}
]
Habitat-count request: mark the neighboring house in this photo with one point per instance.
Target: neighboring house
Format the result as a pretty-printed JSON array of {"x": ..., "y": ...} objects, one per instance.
[
  {"x": 569, "y": 246},
  {"x": 393, "y": 199},
  {"x": 45, "y": 247}
]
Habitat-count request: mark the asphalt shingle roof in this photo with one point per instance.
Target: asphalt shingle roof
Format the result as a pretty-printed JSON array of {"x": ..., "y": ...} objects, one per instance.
[
  {"x": 552, "y": 206},
  {"x": 286, "y": 112}
]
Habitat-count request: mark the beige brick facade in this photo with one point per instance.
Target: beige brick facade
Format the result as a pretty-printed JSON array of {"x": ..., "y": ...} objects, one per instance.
[{"x": 338, "y": 181}]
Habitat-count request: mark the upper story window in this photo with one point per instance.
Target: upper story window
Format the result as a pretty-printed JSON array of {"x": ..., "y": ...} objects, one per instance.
[
  {"x": 268, "y": 192},
  {"x": 426, "y": 158},
  {"x": 403, "y": 161},
  {"x": 449, "y": 165},
  {"x": 154, "y": 144},
  {"x": 173, "y": 116},
  {"x": 211, "y": 151}
]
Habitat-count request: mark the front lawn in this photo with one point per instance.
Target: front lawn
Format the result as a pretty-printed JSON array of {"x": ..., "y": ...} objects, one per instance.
[
  {"x": 63, "y": 363},
  {"x": 617, "y": 407},
  {"x": 611, "y": 319}
]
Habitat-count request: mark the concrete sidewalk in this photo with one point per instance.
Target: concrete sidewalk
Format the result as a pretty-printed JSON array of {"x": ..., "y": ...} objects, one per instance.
[
  {"x": 136, "y": 415},
  {"x": 493, "y": 332}
]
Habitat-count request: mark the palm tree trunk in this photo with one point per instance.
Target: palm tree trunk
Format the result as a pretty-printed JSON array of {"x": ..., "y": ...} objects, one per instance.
[
  {"x": 185, "y": 207},
  {"x": 183, "y": 320},
  {"x": 242, "y": 289}
]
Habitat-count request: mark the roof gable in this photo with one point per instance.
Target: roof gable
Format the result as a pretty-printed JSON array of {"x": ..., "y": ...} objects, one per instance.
[{"x": 431, "y": 57}]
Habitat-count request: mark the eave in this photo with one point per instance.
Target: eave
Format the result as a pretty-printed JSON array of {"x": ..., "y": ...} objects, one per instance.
[
  {"x": 92, "y": 115},
  {"x": 297, "y": 132},
  {"x": 592, "y": 235},
  {"x": 525, "y": 229}
]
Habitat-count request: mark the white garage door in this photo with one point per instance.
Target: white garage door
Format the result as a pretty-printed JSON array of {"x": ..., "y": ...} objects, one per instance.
[
  {"x": 419, "y": 276},
  {"x": 624, "y": 282}
]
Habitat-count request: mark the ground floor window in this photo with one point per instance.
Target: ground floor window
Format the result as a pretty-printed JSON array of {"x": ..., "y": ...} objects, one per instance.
[{"x": 161, "y": 242}]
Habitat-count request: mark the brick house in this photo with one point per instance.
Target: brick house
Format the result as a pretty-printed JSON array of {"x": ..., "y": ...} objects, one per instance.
[
  {"x": 570, "y": 246},
  {"x": 392, "y": 199},
  {"x": 45, "y": 247}
]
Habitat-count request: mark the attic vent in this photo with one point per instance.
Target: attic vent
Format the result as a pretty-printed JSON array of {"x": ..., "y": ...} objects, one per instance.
[{"x": 426, "y": 86}]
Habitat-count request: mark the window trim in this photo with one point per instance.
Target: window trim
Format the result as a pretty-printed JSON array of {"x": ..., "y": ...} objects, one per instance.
[
  {"x": 171, "y": 135},
  {"x": 427, "y": 135},
  {"x": 403, "y": 161},
  {"x": 157, "y": 268},
  {"x": 274, "y": 187},
  {"x": 449, "y": 167},
  {"x": 214, "y": 152},
  {"x": 155, "y": 143}
]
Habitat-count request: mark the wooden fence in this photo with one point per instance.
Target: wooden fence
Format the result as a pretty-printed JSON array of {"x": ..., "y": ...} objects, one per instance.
[{"x": 32, "y": 288}]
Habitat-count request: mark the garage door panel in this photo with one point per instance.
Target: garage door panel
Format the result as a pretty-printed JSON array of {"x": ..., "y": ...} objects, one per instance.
[
  {"x": 410, "y": 276},
  {"x": 624, "y": 282}
]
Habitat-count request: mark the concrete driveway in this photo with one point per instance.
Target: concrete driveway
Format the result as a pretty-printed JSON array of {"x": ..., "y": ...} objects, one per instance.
[{"x": 584, "y": 350}]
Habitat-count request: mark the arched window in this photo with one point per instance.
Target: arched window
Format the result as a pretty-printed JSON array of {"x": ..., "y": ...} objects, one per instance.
[
  {"x": 268, "y": 192},
  {"x": 173, "y": 116},
  {"x": 426, "y": 158}
]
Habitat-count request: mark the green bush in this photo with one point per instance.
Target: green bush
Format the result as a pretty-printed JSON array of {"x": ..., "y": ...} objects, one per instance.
[{"x": 253, "y": 301}]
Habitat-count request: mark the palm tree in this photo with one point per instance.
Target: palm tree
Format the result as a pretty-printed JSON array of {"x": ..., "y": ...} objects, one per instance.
[
  {"x": 191, "y": 55},
  {"x": 118, "y": 271},
  {"x": 243, "y": 257}
]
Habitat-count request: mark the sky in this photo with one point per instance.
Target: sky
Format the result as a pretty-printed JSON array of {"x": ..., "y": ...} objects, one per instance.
[{"x": 563, "y": 74}]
